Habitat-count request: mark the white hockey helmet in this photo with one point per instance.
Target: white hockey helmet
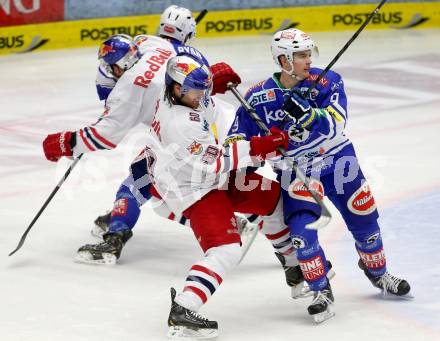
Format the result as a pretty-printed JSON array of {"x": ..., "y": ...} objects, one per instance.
[
  {"x": 178, "y": 23},
  {"x": 287, "y": 42}
]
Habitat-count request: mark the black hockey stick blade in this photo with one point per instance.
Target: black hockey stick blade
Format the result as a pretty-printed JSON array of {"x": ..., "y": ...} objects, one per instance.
[
  {"x": 341, "y": 52},
  {"x": 201, "y": 16},
  {"x": 326, "y": 216},
  {"x": 48, "y": 200}
]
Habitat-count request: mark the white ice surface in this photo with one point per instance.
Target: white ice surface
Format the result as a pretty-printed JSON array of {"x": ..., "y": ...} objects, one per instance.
[{"x": 392, "y": 79}]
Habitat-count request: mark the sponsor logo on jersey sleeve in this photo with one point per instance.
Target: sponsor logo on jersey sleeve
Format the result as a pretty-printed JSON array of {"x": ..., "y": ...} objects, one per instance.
[{"x": 362, "y": 202}]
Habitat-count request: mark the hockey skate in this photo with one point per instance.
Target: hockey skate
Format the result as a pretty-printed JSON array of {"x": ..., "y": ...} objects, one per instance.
[
  {"x": 387, "y": 282},
  {"x": 186, "y": 324},
  {"x": 295, "y": 278},
  {"x": 248, "y": 232},
  {"x": 107, "y": 252},
  {"x": 321, "y": 307},
  {"x": 101, "y": 225}
]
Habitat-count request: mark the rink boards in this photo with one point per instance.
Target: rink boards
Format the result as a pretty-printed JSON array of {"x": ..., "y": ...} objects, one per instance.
[{"x": 82, "y": 33}]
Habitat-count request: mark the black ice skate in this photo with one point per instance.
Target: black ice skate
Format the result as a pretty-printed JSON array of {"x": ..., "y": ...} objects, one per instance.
[
  {"x": 295, "y": 278},
  {"x": 187, "y": 324},
  {"x": 387, "y": 282},
  {"x": 106, "y": 252},
  {"x": 321, "y": 307},
  {"x": 101, "y": 225}
]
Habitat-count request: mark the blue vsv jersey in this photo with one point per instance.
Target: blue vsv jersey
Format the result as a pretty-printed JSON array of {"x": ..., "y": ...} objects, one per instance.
[{"x": 317, "y": 150}]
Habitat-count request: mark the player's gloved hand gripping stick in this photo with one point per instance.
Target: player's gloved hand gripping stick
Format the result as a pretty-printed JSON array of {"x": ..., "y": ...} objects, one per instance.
[
  {"x": 298, "y": 108},
  {"x": 325, "y": 217}
]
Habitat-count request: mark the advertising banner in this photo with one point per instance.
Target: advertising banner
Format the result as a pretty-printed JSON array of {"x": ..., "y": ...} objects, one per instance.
[
  {"x": 22, "y": 12},
  {"x": 82, "y": 33}
]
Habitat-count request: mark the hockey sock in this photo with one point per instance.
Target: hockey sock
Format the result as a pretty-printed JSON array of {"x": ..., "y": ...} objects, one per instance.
[
  {"x": 206, "y": 275},
  {"x": 310, "y": 255},
  {"x": 370, "y": 250},
  {"x": 278, "y": 233},
  {"x": 125, "y": 211}
]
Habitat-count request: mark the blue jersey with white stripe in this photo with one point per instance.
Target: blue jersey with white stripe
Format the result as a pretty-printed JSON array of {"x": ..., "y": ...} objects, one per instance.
[{"x": 316, "y": 151}]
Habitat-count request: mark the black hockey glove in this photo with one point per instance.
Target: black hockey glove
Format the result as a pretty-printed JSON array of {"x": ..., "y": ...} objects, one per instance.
[{"x": 299, "y": 109}]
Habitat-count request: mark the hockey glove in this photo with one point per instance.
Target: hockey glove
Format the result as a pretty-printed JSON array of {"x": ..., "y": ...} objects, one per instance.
[
  {"x": 299, "y": 109},
  {"x": 261, "y": 146},
  {"x": 57, "y": 145},
  {"x": 222, "y": 74}
]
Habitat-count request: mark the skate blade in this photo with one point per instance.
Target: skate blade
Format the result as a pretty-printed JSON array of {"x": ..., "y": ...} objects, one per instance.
[
  {"x": 86, "y": 257},
  {"x": 387, "y": 296},
  {"x": 324, "y": 316},
  {"x": 248, "y": 235},
  {"x": 184, "y": 333},
  {"x": 301, "y": 290}
]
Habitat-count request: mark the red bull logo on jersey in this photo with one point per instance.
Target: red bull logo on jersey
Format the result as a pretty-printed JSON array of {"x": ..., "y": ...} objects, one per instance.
[
  {"x": 298, "y": 190},
  {"x": 105, "y": 50},
  {"x": 362, "y": 202},
  {"x": 195, "y": 148},
  {"x": 154, "y": 63},
  {"x": 313, "y": 268}
]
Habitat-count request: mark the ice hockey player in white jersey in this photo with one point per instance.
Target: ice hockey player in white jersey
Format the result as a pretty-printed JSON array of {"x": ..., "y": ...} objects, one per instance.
[
  {"x": 133, "y": 100},
  {"x": 195, "y": 175},
  {"x": 139, "y": 82}
]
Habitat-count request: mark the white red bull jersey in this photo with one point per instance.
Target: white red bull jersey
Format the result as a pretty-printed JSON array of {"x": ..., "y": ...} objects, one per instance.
[
  {"x": 132, "y": 101},
  {"x": 184, "y": 159}
]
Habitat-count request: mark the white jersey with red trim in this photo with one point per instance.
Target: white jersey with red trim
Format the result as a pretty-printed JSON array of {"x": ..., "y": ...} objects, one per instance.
[
  {"x": 184, "y": 159},
  {"x": 132, "y": 101}
]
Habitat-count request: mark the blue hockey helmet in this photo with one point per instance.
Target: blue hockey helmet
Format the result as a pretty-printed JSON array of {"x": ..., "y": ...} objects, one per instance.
[
  {"x": 189, "y": 73},
  {"x": 119, "y": 50}
]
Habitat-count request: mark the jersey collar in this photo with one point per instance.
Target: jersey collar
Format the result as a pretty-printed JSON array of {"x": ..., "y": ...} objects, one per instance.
[{"x": 276, "y": 78}]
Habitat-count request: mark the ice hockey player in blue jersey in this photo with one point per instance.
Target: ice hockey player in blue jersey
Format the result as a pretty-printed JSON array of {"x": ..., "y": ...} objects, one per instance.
[{"x": 321, "y": 150}]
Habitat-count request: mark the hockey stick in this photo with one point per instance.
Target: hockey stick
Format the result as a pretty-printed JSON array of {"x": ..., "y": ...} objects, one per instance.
[
  {"x": 340, "y": 53},
  {"x": 201, "y": 16},
  {"x": 55, "y": 190},
  {"x": 325, "y": 217}
]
